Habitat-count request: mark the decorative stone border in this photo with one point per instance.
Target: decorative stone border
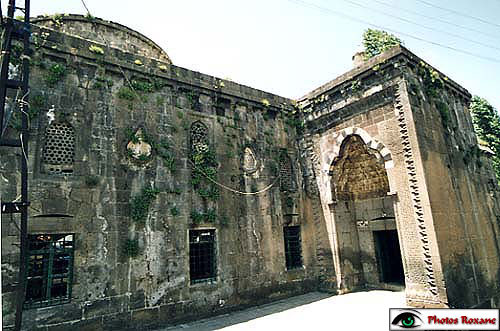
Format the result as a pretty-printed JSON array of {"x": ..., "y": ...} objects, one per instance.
[{"x": 418, "y": 208}]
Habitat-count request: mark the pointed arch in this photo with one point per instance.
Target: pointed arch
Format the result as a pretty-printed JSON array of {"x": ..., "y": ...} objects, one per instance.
[
  {"x": 383, "y": 152},
  {"x": 199, "y": 138},
  {"x": 287, "y": 176},
  {"x": 358, "y": 172}
]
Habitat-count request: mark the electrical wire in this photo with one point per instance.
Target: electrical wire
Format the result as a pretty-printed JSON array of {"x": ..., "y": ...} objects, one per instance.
[
  {"x": 22, "y": 147},
  {"x": 340, "y": 14},
  {"x": 420, "y": 25},
  {"x": 175, "y": 147},
  {"x": 23, "y": 103},
  {"x": 436, "y": 19},
  {"x": 86, "y": 8},
  {"x": 459, "y": 13}
]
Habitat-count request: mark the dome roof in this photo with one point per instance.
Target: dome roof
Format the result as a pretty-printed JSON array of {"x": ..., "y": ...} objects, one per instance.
[{"x": 96, "y": 29}]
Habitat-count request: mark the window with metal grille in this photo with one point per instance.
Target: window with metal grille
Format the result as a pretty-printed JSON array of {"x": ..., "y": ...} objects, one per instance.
[
  {"x": 199, "y": 138},
  {"x": 293, "y": 249},
  {"x": 59, "y": 149},
  {"x": 50, "y": 269},
  {"x": 287, "y": 182},
  {"x": 202, "y": 256}
]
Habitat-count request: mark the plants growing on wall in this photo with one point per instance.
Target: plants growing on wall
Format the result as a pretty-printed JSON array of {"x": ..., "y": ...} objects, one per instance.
[
  {"x": 130, "y": 134},
  {"x": 55, "y": 73},
  {"x": 444, "y": 112},
  {"x": 131, "y": 247},
  {"x": 204, "y": 170},
  {"x": 139, "y": 206},
  {"x": 165, "y": 152},
  {"x": 102, "y": 82},
  {"x": 96, "y": 49},
  {"x": 210, "y": 216},
  {"x": 142, "y": 86},
  {"x": 174, "y": 211},
  {"x": 377, "y": 41},
  {"x": 91, "y": 180},
  {"x": 204, "y": 162},
  {"x": 296, "y": 122},
  {"x": 36, "y": 103},
  {"x": 487, "y": 126},
  {"x": 126, "y": 93},
  {"x": 431, "y": 79}
]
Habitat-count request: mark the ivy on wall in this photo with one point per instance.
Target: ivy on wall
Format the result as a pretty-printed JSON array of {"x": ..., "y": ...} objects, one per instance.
[
  {"x": 487, "y": 126},
  {"x": 431, "y": 79},
  {"x": 130, "y": 247},
  {"x": 210, "y": 216},
  {"x": 55, "y": 73},
  {"x": 205, "y": 168},
  {"x": 204, "y": 162},
  {"x": 139, "y": 206}
]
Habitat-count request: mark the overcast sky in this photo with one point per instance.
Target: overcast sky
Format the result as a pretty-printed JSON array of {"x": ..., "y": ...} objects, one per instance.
[{"x": 289, "y": 47}]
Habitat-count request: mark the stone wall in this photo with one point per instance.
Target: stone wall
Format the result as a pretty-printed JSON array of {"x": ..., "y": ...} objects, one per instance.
[
  {"x": 106, "y": 32},
  {"x": 462, "y": 191},
  {"x": 127, "y": 144},
  {"x": 404, "y": 112},
  {"x": 132, "y": 154}
]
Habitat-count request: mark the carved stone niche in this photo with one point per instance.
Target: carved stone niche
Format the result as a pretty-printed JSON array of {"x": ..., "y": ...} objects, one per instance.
[
  {"x": 250, "y": 163},
  {"x": 139, "y": 149}
]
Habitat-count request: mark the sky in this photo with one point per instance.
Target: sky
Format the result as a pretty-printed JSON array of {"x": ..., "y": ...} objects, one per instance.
[{"x": 290, "y": 47}]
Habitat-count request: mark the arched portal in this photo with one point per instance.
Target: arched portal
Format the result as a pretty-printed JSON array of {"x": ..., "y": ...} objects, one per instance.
[{"x": 364, "y": 217}]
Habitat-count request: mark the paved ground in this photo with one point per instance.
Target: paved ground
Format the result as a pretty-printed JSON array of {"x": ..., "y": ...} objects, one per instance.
[{"x": 313, "y": 311}]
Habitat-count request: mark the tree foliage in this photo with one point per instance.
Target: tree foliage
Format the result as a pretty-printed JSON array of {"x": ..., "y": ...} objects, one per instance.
[
  {"x": 487, "y": 126},
  {"x": 378, "y": 41}
]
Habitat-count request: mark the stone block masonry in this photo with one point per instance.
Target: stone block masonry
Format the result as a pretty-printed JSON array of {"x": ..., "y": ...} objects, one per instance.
[{"x": 140, "y": 172}]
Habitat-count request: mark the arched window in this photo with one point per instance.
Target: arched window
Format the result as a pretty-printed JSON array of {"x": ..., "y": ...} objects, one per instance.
[
  {"x": 199, "y": 138},
  {"x": 59, "y": 150},
  {"x": 287, "y": 182}
]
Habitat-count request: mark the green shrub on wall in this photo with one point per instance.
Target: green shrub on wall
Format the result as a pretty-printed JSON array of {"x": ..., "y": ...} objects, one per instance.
[
  {"x": 376, "y": 42},
  {"x": 91, "y": 180},
  {"x": 200, "y": 217},
  {"x": 174, "y": 211},
  {"x": 139, "y": 206},
  {"x": 204, "y": 172},
  {"x": 487, "y": 126},
  {"x": 131, "y": 247},
  {"x": 126, "y": 93},
  {"x": 56, "y": 73}
]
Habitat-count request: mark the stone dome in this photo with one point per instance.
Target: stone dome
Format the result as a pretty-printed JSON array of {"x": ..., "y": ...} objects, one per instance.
[{"x": 96, "y": 29}]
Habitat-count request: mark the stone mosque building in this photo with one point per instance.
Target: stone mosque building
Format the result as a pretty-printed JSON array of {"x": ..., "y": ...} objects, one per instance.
[{"x": 160, "y": 194}]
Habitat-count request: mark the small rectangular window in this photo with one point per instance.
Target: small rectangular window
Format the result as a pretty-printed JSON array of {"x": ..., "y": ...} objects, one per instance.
[
  {"x": 202, "y": 255},
  {"x": 50, "y": 269},
  {"x": 293, "y": 249}
]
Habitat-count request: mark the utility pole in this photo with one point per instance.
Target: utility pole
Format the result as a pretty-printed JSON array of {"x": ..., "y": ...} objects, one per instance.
[{"x": 17, "y": 30}]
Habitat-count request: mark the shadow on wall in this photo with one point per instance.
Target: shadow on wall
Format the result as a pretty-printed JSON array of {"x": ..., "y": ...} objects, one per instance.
[
  {"x": 356, "y": 259},
  {"x": 483, "y": 293}
]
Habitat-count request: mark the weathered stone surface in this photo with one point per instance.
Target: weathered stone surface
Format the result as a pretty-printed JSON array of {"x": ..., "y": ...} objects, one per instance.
[
  {"x": 131, "y": 215},
  {"x": 437, "y": 197}
]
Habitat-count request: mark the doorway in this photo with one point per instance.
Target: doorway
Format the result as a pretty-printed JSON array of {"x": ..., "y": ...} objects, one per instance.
[
  {"x": 361, "y": 209},
  {"x": 389, "y": 260}
]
